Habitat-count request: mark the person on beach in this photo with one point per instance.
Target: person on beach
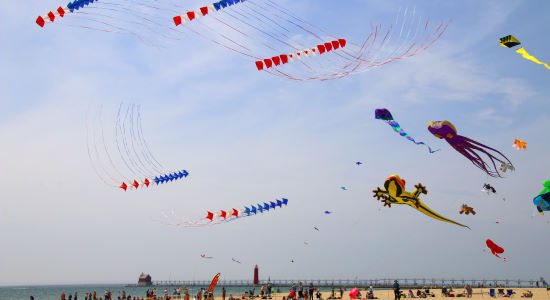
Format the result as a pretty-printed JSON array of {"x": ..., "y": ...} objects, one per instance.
[
  {"x": 411, "y": 294},
  {"x": 300, "y": 290},
  {"x": 231, "y": 297},
  {"x": 292, "y": 294},
  {"x": 332, "y": 295},
  {"x": 223, "y": 292},
  {"x": 318, "y": 295},
  {"x": 32, "y": 298},
  {"x": 311, "y": 290},
  {"x": 63, "y": 297},
  {"x": 396, "y": 291},
  {"x": 468, "y": 291},
  {"x": 341, "y": 293}
]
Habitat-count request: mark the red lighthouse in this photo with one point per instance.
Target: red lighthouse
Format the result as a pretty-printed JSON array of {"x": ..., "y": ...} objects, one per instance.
[{"x": 256, "y": 280}]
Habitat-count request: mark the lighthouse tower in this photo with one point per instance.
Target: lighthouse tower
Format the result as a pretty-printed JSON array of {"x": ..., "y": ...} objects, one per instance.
[{"x": 256, "y": 280}]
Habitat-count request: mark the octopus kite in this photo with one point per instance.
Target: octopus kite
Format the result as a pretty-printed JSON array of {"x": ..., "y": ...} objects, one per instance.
[
  {"x": 394, "y": 193},
  {"x": 542, "y": 200},
  {"x": 465, "y": 209},
  {"x": 468, "y": 147}
]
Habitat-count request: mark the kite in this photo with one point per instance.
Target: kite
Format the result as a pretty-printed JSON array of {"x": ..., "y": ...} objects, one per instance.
[
  {"x": 135, "y": 166},
  {"x": 358, "y": 163},
  {"x": 465, "y": 209},
  {"x": 488, "y": 189},
  {"x": 344, "y": 188},
  {"x": 542, "y": 200},
  {"x": 506, "y": 166},
  {"x": 267, "y": 33},
  {"x": 510, "y": 41},
  {"x": 229, "y": 215},
  {"x": 273, "y": 46},
  {"x": 467, "y": 147},
  {"x": 316, "y": 228},
  {"x": 233, "y": 259},
  {"x": 213, "y": 283},
  {"x": 394, "y": 193},
  {"x": 306, "y": 243},
  {"x": 520, "y": 144},
  {"x": 385, "y": 115},
  {"x": 71, "y": 7},
  {"x": 327, "y": 212},
  {"x": 292, "y": 260},
  {"x": 495, "y": 249},
  {"x": 207, "y": 257}
]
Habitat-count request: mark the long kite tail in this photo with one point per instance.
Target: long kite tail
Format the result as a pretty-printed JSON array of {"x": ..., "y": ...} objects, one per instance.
[
  {"x": 423, "y": 208},
  {"x": 395, "y": 126},
  {"x": 530, "y": 57}
]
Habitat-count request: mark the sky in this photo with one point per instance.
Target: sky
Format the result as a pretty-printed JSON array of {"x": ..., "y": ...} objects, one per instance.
[{"x": 248, "y": 137}]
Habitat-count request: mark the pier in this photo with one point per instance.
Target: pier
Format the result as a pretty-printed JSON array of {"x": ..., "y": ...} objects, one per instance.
[{"x": 377, "y": 283}]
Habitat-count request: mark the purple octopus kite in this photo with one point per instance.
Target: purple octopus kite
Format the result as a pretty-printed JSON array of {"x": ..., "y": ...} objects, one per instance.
[{"x": 468, "y": 147}]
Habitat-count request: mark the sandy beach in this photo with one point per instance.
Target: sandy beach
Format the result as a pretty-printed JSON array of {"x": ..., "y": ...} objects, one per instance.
[{"x": 478, "y": 293}]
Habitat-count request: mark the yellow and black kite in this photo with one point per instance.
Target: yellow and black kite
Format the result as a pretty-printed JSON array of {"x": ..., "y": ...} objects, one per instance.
[{"x": 510, "y": 41}]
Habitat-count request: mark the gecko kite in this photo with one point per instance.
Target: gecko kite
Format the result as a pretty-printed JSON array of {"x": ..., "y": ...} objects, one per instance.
[
  {"x": 510, "y": 41},
  {"x": 468, "y": 147},
  {"x": 542, "y": 200},
  {"x": 394, "y": 193},
  {"x": 385, "y": 115}
]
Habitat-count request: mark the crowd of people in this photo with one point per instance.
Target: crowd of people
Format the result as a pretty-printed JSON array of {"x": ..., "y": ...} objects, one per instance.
[
  {"x": 297, "y": 292},
  {"x": 93, "y": 296}
]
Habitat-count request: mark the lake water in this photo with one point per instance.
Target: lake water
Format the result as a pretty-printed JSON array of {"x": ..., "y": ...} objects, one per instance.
[{"x": 53, "y": 292}]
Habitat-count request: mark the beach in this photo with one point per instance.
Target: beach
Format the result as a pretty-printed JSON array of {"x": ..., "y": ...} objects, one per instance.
[{"x": 54, "y": 292}]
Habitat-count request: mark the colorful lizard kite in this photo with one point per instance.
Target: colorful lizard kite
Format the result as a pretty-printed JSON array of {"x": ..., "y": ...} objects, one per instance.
[{"x": 394, "y": 193}]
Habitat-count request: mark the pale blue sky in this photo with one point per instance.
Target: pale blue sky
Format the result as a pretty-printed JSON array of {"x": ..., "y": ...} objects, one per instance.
[{"x": 248, "y": 137}]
